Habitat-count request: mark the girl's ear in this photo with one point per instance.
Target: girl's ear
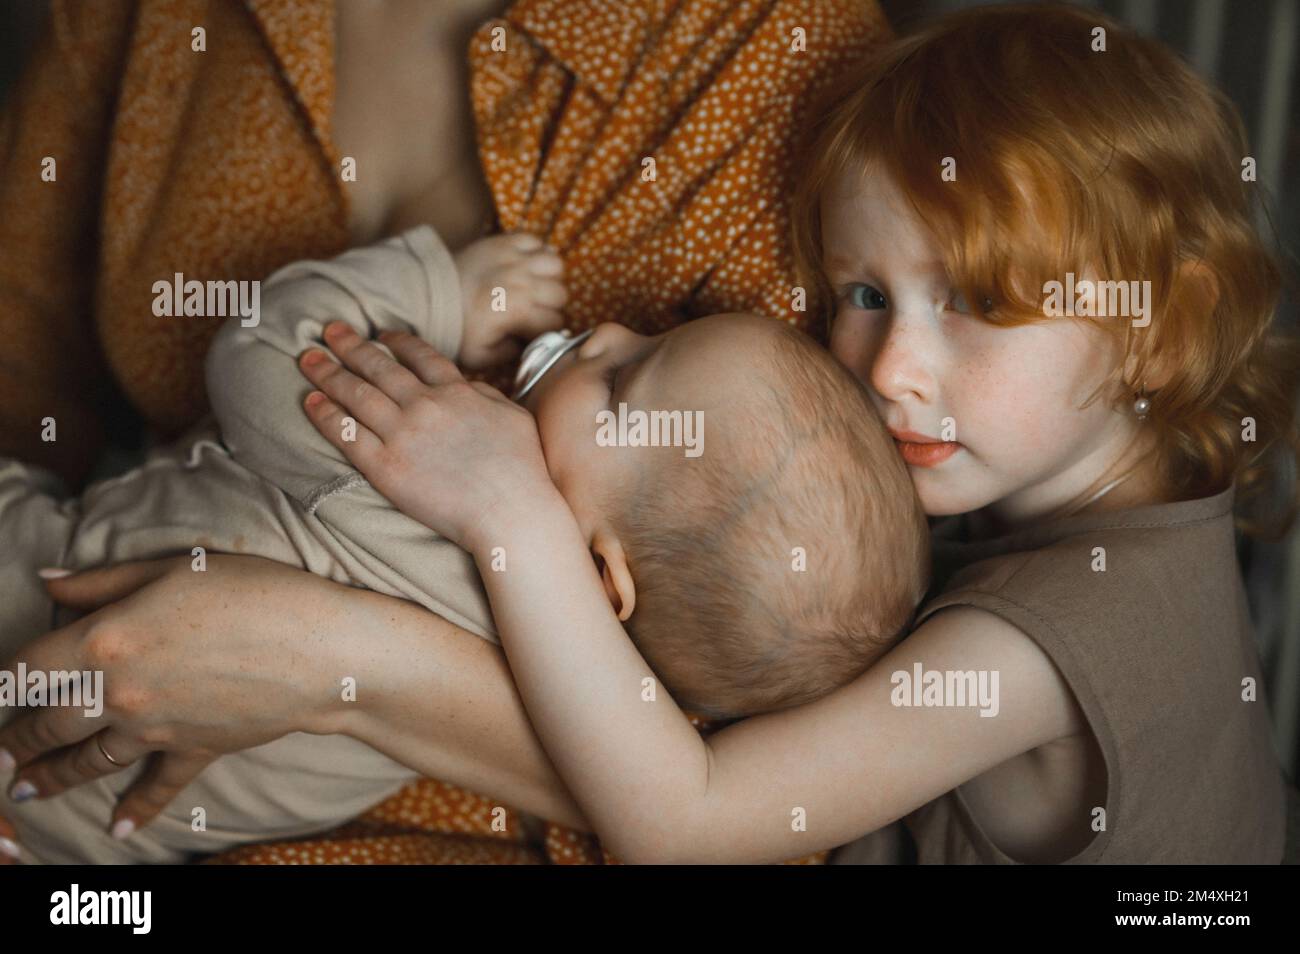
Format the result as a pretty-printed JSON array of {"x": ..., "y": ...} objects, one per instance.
[{"x": 614, "y": 573}]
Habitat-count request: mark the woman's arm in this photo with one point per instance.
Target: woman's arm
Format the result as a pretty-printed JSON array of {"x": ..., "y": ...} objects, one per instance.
[
  {"x": 449, "y": 709},
  {"x": 771, "y": 787},
  {"x": 194, "y": 666}
]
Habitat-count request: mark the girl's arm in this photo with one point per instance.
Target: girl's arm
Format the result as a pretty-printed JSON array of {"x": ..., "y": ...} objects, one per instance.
[
  {"x": 769, "y": 788},
  {"x": 194, "y": 667}
]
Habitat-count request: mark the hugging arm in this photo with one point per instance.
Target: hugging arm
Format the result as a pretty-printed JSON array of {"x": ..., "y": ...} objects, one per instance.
[
  {"x": 847, "y": 764},
  {"x": 652, "y": 788},
  {"x": 195, "y": 666}
]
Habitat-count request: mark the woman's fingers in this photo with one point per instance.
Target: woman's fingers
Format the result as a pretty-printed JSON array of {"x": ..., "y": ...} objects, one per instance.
[
  {"x": 9, "y": 850},
  {"x": 57, "y": 651},
  {"x": 165, "y": 777},
  {"x": 37, "y": 732},
  {"x": 102, "y": 754},
  {"x": 428, "y": 364},
  {"x": 91, "y": 589},
  {"x": 34, "y": 731}
]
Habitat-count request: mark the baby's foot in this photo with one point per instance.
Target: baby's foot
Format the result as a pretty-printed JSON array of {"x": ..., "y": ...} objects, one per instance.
[{"x": 511, "y": 286}]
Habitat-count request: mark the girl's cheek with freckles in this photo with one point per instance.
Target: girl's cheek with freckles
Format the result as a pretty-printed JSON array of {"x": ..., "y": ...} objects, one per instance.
[
  {"x": 1039, "y": 423},
  {"x": 1002, "y": 408},
  {"x": 852, "y": 345}
]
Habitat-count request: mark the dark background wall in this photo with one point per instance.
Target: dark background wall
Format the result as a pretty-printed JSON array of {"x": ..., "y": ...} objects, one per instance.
[
  {"x": 19, "y": 21},
  {"x": 1247, "y": 47}
]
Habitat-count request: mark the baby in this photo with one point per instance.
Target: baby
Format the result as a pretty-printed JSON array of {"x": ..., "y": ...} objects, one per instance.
[{"x": 759, "y": 570}]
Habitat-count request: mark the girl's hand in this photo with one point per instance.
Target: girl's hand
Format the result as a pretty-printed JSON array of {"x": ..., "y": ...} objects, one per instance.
[
  {"x": 459, "y": 457},
  {"x": 194, "y": 666}
]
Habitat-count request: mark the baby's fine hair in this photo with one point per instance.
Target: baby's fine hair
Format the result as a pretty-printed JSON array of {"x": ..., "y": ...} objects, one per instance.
[
  {"x": 778, "y": 565},
  {"x": 1070, "y": 143}
]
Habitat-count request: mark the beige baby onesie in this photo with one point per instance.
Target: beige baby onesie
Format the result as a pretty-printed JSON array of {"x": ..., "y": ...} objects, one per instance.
[{"x": 256, "y": 480}]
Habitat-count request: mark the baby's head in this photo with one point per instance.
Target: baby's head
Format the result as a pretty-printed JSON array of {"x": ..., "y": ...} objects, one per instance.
[{"x": 759, "y": 534}]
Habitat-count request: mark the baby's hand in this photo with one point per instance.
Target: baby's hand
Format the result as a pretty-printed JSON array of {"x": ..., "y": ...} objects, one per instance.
[{"x": 519, "y": 275}]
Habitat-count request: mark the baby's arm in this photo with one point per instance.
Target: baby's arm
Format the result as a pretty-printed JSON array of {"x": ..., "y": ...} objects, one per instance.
[
  {"x": 408, "y": 283},
  {"x": 468, "y": 305}
]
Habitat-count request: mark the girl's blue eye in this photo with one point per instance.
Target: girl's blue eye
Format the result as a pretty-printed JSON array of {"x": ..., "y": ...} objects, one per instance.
[
  {"x": 959, "y": 303},
  {"x": 871, "y": 299}
]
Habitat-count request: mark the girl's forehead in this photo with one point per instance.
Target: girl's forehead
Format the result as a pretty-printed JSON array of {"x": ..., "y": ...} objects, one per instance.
[
  {"x": 856, "y": 240},
  {"x": 851, "y": 202},
  {"x": 870, "y": 182}
]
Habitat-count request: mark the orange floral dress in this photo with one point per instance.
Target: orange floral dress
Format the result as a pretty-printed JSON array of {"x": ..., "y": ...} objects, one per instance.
[{"x": 650, "y": 141}]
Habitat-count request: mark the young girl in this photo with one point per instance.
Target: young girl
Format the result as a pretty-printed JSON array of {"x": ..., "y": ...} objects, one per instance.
[{"x": 1086, "y": 590}]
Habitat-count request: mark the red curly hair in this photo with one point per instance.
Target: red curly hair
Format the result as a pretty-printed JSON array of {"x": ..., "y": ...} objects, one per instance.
[{"x": 1070, "y": 159}]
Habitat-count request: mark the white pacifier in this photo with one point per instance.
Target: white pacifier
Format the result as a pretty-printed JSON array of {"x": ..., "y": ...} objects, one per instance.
[{"x": 541, "y": 355}]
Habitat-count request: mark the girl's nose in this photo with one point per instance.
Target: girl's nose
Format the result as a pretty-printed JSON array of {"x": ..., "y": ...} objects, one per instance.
[{"x": 898, "y": 370}]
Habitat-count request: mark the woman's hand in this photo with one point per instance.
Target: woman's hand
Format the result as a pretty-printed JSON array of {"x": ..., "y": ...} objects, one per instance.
[
  {"x": 8, "y": 845},
  {"x": 458, "y": 457},
  {"x": 193, "y": 666}
]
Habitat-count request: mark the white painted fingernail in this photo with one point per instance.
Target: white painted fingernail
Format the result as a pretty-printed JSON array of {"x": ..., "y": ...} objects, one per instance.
[
  {"x": 6, "y": 760},
  {"x": 22, "y": 791},
  {"x": 122, "y": 829},
  {"x": 52, "y": 572},
  {"x": 9, "y": 849}
]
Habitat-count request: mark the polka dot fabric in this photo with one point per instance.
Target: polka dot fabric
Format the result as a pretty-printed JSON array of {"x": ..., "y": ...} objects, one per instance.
[
  {"x": 428, "y": 822},
  {"x": 588, "y": 98},
  {"x": 223, "y": 166}
]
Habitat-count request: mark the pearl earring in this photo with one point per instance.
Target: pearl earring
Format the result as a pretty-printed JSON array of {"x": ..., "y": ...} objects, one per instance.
[{"x": 1142, "y": 406}]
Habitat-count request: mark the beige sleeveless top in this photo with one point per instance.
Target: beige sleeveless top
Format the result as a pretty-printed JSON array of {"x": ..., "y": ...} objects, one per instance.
[{"x": 1156, "y": 648}]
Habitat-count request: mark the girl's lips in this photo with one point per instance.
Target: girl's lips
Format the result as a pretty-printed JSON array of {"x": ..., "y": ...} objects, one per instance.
[
  {"x": 921, "y": 451},
  {"x": 926, "y": 455}
]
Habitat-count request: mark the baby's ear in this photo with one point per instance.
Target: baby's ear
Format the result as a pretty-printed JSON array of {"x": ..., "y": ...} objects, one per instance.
[{"x": 612, "y": 562}]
